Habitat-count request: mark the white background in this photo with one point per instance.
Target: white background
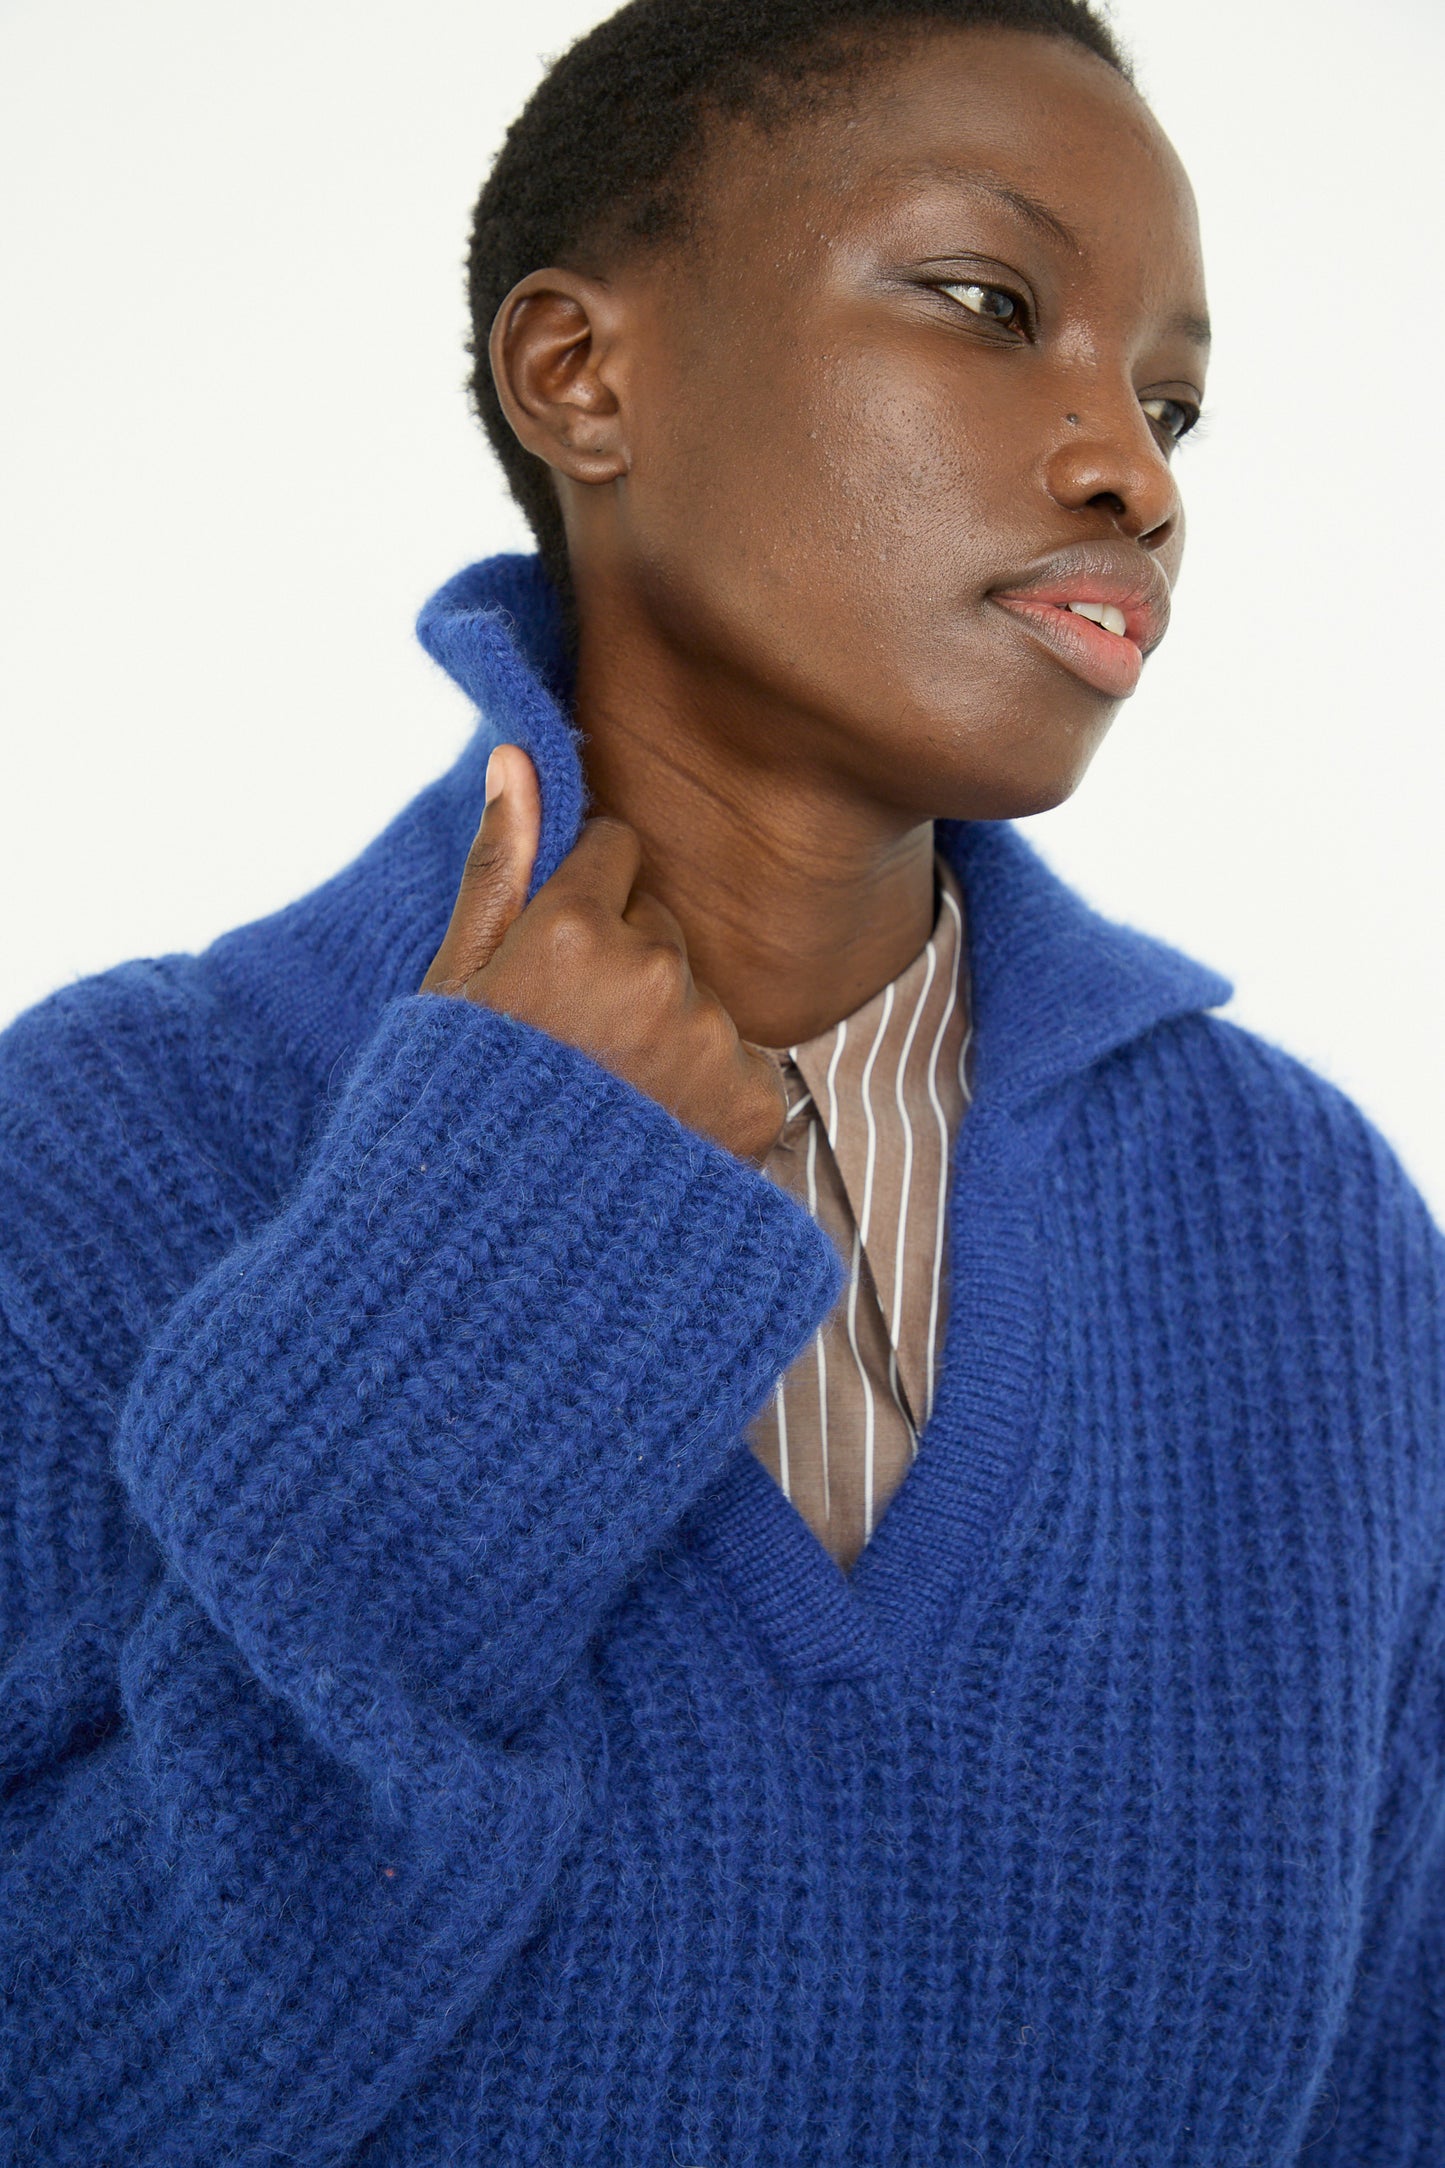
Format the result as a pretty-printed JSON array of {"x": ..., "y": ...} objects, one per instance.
[{"x": 237, "y": 456}]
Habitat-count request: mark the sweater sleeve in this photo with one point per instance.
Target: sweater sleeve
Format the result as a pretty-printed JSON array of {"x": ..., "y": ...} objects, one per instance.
[
  {"x": 290, "y": 1774},
  {"x": 1380, "y": 2102}
]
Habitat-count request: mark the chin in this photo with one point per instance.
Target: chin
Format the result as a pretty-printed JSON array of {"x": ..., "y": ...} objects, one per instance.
[{"x": 1014, "y": 775}]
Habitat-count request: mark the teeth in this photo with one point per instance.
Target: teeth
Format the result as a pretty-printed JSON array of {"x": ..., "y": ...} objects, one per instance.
[{"x": 1100, "y": 613}]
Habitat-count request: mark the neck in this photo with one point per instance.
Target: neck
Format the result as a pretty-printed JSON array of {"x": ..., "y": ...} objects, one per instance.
[{"x": 799, "y": 895}]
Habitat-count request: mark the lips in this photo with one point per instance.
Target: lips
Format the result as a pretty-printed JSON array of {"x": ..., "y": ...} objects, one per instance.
[{"x": 1107, "y": 577}]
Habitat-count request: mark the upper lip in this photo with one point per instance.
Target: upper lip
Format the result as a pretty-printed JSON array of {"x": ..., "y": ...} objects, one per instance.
[{"x": 1098, "y": 572}]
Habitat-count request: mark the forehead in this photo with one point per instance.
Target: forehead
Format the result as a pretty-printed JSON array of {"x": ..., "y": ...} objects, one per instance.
[{"x": 1039, "y": 113}]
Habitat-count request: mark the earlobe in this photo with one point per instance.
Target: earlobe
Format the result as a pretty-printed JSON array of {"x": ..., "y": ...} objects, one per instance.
[{"x": 550, "y": 347}]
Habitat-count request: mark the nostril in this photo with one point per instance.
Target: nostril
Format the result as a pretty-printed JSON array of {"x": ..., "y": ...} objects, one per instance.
[{"x": 1110, "y": 500}]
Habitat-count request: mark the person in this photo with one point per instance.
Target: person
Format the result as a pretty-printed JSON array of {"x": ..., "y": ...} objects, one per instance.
[{"x": 694, "y": 1473}]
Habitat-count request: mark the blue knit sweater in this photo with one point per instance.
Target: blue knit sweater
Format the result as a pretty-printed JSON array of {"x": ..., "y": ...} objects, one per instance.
[{"x": 431, "y": 1737}]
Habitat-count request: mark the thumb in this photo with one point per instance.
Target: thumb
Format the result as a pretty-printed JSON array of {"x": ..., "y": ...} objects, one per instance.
[{"x": 497, "y": 874}]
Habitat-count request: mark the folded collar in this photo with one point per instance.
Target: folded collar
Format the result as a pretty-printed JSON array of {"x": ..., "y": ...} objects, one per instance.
[{"x": 1056, "y": 987}]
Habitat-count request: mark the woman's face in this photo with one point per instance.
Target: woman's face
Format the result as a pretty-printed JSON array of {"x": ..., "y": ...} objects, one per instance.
[{"x": 942, "y": 327}]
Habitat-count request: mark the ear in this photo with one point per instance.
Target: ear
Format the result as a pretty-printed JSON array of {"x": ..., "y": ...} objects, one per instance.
[{"x": 555, "y": 354}]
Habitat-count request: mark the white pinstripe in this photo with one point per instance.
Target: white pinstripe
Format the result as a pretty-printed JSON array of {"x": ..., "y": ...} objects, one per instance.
[
  {"x": 895, "y": 1323},
  {"x": 863, "y": 1088},
  {"x": 863, "y": 1378},
  {"x": 832, "y": 1072},
  {"x": 866, "y": 1095},
  {"x": 943, "y": 1166}
]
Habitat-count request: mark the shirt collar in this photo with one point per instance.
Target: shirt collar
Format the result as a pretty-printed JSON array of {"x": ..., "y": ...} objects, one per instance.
[{"x": 1055, "y": 986}]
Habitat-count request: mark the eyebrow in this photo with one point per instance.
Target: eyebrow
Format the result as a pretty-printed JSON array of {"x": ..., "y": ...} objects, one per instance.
[
  {"x": 1038, "y": 214},
  {"x": 1192, "y": 327}
]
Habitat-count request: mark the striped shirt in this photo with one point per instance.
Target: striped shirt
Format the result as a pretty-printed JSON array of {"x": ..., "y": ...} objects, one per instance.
[{"x": 874, "y": 1106}]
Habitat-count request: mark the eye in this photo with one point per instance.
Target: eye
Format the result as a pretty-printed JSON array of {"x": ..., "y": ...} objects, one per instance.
[
  {"x": 995, "y": 302},
  {"x": 1178, "y": 418}
]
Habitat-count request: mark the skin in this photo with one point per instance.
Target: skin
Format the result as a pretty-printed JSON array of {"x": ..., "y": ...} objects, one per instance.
[{"x": 791, "y": 467}]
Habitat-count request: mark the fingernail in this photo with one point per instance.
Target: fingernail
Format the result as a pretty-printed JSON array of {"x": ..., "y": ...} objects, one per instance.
[{"x": 494, "y": 780}]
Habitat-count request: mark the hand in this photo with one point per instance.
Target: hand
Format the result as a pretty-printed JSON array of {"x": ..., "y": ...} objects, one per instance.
[{"x": 600, "y": 963}]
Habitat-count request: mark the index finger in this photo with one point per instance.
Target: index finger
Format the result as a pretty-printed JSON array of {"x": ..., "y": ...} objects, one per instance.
[{"x": 601, "y": 866}]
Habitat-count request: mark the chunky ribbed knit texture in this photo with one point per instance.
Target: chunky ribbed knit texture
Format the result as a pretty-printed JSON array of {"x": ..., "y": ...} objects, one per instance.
[{"x": 431, "y": 1737}]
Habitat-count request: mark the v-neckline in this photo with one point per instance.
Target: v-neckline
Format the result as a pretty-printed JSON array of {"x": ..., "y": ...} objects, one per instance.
[
  {"x": 1056, "y": 990},
  {"x": 931, "y": 1556}
]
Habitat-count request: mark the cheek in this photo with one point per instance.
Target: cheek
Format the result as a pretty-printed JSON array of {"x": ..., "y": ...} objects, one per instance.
[{"x": 837, "y": 494}]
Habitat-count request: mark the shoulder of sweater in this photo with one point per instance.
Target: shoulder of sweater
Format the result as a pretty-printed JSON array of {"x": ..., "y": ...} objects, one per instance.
[
  {"x": 1289, "y": 1165},
  {"x": 1308, "y": 1214},
  {"x": 145, "y": 1126},
  {"x": 1252, "y": 1085},
  {"x": 1262, "y": 1153},
  {"x": 155, "y": 1037}
]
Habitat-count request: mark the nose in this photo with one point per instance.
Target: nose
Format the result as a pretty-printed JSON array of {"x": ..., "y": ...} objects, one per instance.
[{"x": 1106, "y": 454}]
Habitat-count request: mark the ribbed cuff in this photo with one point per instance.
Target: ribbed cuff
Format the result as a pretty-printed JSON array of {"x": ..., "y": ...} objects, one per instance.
[{"x": 415, "y": 1436}]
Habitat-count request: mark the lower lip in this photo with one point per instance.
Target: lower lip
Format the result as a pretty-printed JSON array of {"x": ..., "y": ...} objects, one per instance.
[{"x": 1109, "y": 661}]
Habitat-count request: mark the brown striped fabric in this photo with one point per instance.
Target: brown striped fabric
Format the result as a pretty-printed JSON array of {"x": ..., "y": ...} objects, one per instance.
[{"x": 875, "y": 1104}]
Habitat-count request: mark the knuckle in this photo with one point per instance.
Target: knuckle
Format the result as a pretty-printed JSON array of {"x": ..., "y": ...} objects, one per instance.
[
  {"x": 716, "y": 1035},
  {"x": 660, "y": 973},
  {"x": 574, "y": 933},
  {"x": 764, "y": 1123},
  {"x": 764, "y": 1094},
  {"x": 711, "y": 1030}
]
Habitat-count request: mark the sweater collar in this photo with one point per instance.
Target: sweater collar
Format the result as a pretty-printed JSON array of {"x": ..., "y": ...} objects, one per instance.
[{"x": 1056, "y": 987}]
